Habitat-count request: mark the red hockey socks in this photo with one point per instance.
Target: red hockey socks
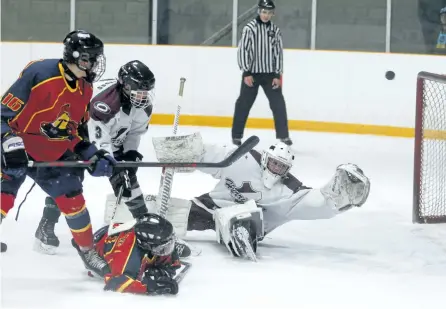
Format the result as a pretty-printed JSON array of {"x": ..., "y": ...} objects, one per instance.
[
  {"x": 78, "y": 219},
  {"x": 7, "y": 202}
]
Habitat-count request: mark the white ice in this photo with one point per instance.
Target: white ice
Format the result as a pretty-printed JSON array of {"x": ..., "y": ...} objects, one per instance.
[{"x": 370, "y": 257}]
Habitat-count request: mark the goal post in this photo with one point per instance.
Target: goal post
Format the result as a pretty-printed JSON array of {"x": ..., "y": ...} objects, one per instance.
[{"x": 429, "y": 183}]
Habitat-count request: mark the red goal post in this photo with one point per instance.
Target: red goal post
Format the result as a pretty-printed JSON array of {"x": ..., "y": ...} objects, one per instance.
[{"x": 429, "y": 186}]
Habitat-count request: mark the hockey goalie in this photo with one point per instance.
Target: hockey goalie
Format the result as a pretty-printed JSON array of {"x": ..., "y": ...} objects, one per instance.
[{"x": 253, "y": 196}]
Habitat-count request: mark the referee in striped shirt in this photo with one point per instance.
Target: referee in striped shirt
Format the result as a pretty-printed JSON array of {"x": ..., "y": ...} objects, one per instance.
[{"x": 260, "y": 57}]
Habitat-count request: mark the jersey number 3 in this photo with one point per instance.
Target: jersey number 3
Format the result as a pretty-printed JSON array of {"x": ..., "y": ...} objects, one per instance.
[{"x": 98, "y": 132}]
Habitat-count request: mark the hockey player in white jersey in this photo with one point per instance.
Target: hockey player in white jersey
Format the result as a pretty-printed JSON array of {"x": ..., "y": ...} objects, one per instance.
[
  {"x": 256, "y": 194},
  {"x": 119, "y": 112}
]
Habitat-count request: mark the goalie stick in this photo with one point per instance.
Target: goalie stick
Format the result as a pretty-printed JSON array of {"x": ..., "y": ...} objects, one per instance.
[
  {"x": 239, "y": 152},
  {"x": 166, "y": 180}
]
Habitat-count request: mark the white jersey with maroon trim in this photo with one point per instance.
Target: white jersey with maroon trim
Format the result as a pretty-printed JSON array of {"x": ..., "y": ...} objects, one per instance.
[
  {"x": 115, "y": 125},
  {"x": 287, "y": 200}
]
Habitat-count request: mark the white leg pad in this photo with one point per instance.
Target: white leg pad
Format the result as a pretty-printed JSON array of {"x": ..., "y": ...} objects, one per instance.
[
  {"x": 224, "y": 216},
  {"x": 177, "y": 214}
]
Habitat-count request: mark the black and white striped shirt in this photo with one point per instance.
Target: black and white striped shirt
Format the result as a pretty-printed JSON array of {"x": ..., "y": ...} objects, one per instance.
[{"x": 260, "y": 49}]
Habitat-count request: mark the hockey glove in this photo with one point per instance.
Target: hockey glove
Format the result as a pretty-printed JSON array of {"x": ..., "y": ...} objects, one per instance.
[
  {"x": 120, "y": 179},
  {"x": 130, "y": 156},
  {"x": 160, "y": 285},
  {"x": 14, "y": 157},
  {"x": 102, "y": 161}
]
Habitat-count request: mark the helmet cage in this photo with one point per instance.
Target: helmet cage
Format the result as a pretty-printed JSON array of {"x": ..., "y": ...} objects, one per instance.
[
  {"x": 140, "y": 93},
  {"x": 277, "y": 166}
]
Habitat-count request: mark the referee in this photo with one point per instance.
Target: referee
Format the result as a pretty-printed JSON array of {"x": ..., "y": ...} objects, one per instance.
[{"x": 260, "y": 57}]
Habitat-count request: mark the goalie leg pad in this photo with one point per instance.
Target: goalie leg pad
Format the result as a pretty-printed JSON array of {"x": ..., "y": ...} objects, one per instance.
[
  {"x": 239, "y": 227},
  {"x": 348, "y": 188},
  {"x": 177, "y": 214}
]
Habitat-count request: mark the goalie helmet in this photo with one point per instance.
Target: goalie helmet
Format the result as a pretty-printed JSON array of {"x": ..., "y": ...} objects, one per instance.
[
  {"x": 155, "y": 234},
  {"x": 86, "y": 51},
  {"x": 276, "y": 163},
  {"x": 138, "y": 83}
]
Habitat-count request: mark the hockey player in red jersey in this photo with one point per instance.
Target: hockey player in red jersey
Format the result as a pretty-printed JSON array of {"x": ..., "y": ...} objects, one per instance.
[
  {"x": 41, "y": 113},
  {"x": 142, "y": 260}
]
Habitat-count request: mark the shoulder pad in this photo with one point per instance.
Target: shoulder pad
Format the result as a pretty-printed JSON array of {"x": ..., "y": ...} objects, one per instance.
[{"x": 102, "y": 85}]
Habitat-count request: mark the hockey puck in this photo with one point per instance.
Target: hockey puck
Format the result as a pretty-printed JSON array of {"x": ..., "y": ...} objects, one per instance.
[
  {"x": 3, "y": 247},
  {"x": 390, "y": 75}
]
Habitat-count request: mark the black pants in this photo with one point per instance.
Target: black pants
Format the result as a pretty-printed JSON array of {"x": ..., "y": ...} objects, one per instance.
[{"x": 246, "y": 99}]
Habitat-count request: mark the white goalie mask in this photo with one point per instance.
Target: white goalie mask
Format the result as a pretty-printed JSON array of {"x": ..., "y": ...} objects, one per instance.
[{"x": 276, "y": 162}]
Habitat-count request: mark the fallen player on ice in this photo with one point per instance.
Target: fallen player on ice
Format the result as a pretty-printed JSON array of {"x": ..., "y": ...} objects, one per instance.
[
  {"x": 254, "y": 196},
  {"x": 142, "y": 259}
]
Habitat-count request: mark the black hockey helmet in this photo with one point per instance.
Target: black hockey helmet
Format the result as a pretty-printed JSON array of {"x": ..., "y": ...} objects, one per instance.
[
  {"x": 86, "y": 51},
  {"x": 155, "y": 234},
  {"x": 138, "y": 83},
  {"x": 266, "y": 5}
]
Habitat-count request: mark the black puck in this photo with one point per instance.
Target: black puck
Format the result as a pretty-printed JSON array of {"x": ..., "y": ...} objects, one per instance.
[{"x": 390, "y": 75}]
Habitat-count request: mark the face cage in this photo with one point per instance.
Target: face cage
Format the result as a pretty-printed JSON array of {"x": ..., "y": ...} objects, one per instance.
[
  {"x": 142, "y": 98},
  {"x": 276, "y": 166},
  {"x": 160, "y": 250},
  {"x": 165, "y": 249},
  {"x": 93, "y": 66}
]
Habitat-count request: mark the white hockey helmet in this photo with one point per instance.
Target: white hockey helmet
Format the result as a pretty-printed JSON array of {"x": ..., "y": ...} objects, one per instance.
[{"x": 276, "y": 163}]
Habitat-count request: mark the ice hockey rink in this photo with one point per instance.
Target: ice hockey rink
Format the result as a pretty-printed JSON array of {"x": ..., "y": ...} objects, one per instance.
[{"x": 370, "y": 257}]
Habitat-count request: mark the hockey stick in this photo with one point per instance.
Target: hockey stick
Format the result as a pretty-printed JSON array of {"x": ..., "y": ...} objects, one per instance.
[
  {"x": 182, "y": 272},
  {"x": 111, "y": 227},
  {"x": 165, "y": 188},
  {"x": 239, "y": 152}
]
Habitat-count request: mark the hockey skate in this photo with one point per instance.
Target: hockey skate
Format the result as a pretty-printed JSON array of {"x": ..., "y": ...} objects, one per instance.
[
  {"x": 46, "y": 240},
  {"x": 96, "y": 265},
  {"x": 185, "y": 249}
]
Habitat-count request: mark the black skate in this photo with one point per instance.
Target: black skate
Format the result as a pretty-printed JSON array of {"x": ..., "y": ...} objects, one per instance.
[
  {"x": 184, "y": 249},
  {"x": 46, "y": 240},
  {"x": 92, "y": 261},
  {"x": 3, "y": 247}
]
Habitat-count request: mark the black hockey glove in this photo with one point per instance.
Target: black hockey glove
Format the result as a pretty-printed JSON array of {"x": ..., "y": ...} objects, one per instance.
[
  {"x": 14, "y": 159},
  {"x": 121, "y": 179},
  {"x": 131, "y": 156},
  {"x": 159, "y": 282}
]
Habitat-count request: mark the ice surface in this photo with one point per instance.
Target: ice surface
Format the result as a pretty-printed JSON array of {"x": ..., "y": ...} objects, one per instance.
[{"x": 372, "y": 257}]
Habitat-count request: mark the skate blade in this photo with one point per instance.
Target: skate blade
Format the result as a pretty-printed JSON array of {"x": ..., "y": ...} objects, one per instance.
[
  {"x": 44, "y": 248},
  {"x": 242, "y": 238}
]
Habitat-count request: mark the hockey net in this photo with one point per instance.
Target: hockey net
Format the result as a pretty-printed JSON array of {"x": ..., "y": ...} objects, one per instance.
[{"x": 429, "y": 204}]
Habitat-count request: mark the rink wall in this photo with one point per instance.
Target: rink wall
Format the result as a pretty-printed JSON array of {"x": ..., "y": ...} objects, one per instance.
[{"x": 325, "y": 91}]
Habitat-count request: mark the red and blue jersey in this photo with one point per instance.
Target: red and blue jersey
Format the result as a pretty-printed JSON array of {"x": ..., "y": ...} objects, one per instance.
[
  {"x": 43, "y": 109},
  {"x": 128, "y": 262}
]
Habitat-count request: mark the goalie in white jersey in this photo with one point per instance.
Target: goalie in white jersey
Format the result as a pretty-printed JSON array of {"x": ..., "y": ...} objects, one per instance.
[
  {"x": 119, "y": 114},
  {"x": 254, "y": 195}
]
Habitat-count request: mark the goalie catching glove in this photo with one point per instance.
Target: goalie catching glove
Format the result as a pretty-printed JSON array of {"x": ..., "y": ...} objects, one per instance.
[{"x": 348, "y": 188}]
